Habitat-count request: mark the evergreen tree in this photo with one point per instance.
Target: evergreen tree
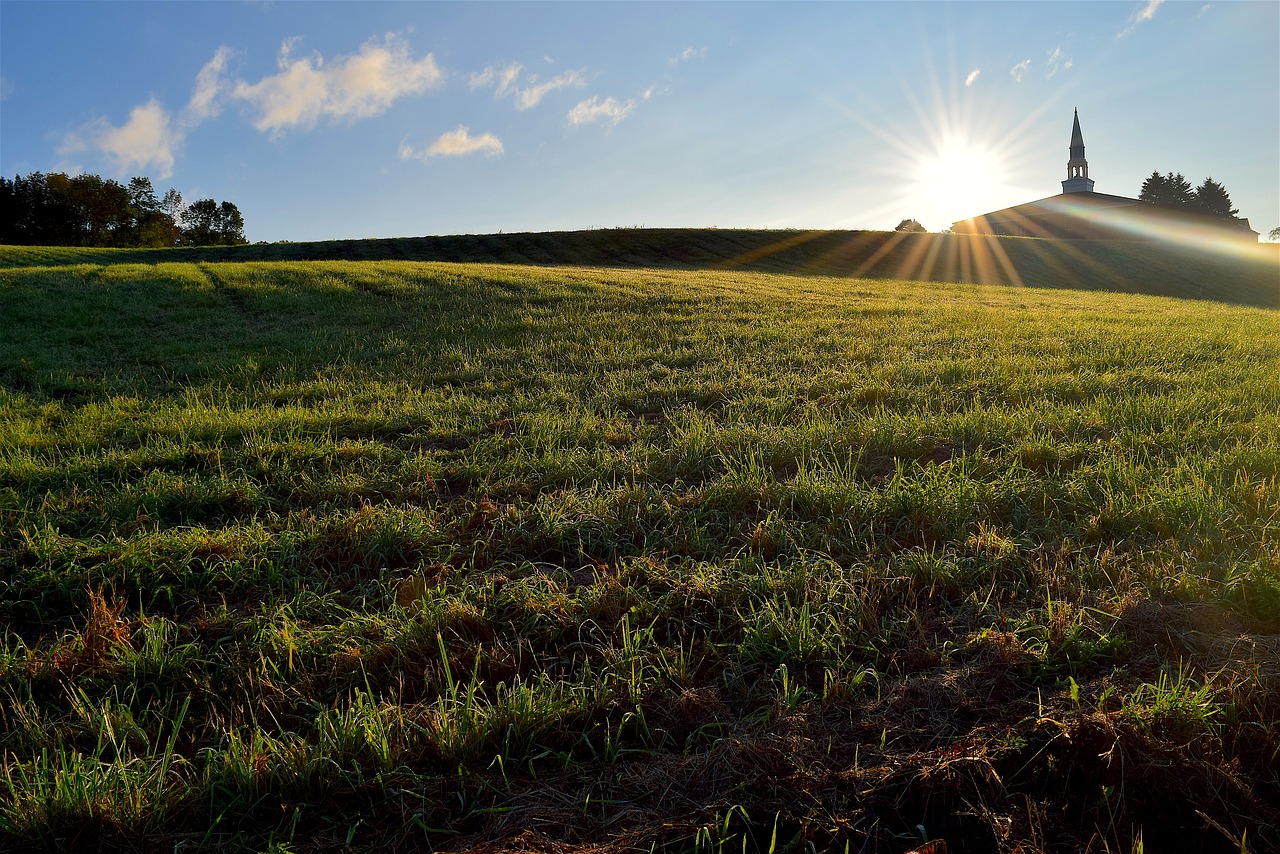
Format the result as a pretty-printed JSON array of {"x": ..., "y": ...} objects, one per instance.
[
  {"x": 1154, "y": 189},
  {"x": 1212, "y": 198},
  {"x": 1169, "y": 191}
]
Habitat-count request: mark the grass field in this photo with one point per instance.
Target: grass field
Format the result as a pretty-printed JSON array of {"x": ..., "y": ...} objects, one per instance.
[{"x": 402, "y": 555}]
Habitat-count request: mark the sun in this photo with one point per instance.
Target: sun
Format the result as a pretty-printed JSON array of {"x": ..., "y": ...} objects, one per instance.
[{"x": 957, "y": 179}]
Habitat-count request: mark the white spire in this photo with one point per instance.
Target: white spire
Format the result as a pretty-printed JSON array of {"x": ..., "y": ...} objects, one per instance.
[{"x": 1078, "y": 180}]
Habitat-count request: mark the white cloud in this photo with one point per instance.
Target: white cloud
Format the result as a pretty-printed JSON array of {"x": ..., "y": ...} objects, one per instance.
[
  {"x": 973, "y": 76},
  {"x": 6, "y": 88},
  {"x": 146, "y": 141},
  {"x": 150, "y": 138},
  {"x": 1020, "y": 70},
  {"x": 687, "y": 55},
  {"x": 455, "y": 143},
  {"x": 353, "y": 87},
  {"x": 529, "y": 96},
  {"x": 1149, "y": 11},
  {"x": 593, "y": 110},
  {"x": 501, "y": 78},
  {"x": 504, "y": 80},
  {"x": 1145, "y": 14},
  {"x": 1057, "y": 61},
  {"x": 205, "y": 100}
]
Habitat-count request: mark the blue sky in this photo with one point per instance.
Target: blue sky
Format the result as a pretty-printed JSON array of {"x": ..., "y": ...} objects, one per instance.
[{"x": 337, "y": 119}]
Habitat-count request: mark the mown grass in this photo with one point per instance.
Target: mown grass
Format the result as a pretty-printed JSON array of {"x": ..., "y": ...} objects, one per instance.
[{"x": 356, "y": 554}]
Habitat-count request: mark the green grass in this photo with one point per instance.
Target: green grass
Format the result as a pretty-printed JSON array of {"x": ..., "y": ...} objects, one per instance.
[{"x": 319, "y": 554}]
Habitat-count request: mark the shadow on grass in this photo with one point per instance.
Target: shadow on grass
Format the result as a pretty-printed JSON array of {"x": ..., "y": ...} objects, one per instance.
[
  {"x": 82, "y": 332},
  {"x": 1249, "y": 275}
]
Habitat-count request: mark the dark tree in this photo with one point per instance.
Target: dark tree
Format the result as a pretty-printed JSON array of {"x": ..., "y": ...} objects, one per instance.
[
  {"x": 172, "y": 204},
  {"x": 910, "y": 225},
  {"x": 157, "y": 229},
  {"x": 24, "y": 213},
  {"x": 1154, "y": 189},
  {"x": 142, "y": 195},
  {"x": 200, "y": 223},
  {"x": 102, "y": 212},
  {"x": 1180, "y": 193},
  {"x": 152, "y": 225},
  {"x": 208, "y": 223},
  {"x": 87, "y": 210},
  {"x": 231, "y": 225},
  {"x": 1212, "y": 198},
  {"x": 1169, "y": 191}
]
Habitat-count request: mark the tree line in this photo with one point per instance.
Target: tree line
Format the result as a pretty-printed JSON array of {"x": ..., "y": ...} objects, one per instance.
[
  {"x": 1175, "y": 191},
  {"x": 87, "y": 210}
]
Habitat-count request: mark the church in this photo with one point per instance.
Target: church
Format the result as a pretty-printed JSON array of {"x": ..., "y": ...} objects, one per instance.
[{"x": 1079, "y": 213}]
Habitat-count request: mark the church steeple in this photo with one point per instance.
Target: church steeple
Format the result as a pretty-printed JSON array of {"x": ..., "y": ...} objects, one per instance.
[{"x": 1077, "y": 167}]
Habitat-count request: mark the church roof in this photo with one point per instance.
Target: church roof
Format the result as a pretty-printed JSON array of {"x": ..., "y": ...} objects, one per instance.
[
  {"x": 1079, "y": 212},
  {"x": 1062, "y": 203},
  {"x": 1085, "y": 213}
]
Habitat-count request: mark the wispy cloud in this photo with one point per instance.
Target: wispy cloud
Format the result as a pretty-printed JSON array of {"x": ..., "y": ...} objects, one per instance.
[
  {"x": 687, "y": 55},
  {"x": 502, "y": 79},
  {"x": 529, "y": 96},
  {"x": 593, "y": 110},
  {"x": 1020, "y": 70},
  {"x": 1149, "y": 11},
  {"x": 353, "y": 87},
  {"x": 506, "y": 80},
  {"x": 1057, "y": 61},
  {"x": 456, "y": 143},
  {"x": 6, "y": 88},
  {"x": 973, "y": 77},
  {"x": 210, "y": 86},
  {"x": 1146, "y": 13},
  {"x": 147, "y": 140}
]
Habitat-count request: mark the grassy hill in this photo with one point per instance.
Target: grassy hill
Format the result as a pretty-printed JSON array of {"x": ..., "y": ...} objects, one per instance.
[
  {"x": 336, "y": 555},
  {"x": 1244, "y": 274}
]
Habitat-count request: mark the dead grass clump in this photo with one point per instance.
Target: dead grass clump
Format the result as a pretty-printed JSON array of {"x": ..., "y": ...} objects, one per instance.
[
  {"x": 1207, "y": 636},
  {"x": 96, "y": 646},
  {"x": 1115, "y": 779},
  {"x": 418, "y": 586},
  {"x": 691, "y": 711}
]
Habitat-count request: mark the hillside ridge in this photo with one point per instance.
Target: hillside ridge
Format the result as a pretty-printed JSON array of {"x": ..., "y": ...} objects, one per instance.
[{"x": 1245, "y": 274}]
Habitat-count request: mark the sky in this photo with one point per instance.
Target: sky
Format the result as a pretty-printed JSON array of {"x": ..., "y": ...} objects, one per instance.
[{"x": 324, "y": 120}]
